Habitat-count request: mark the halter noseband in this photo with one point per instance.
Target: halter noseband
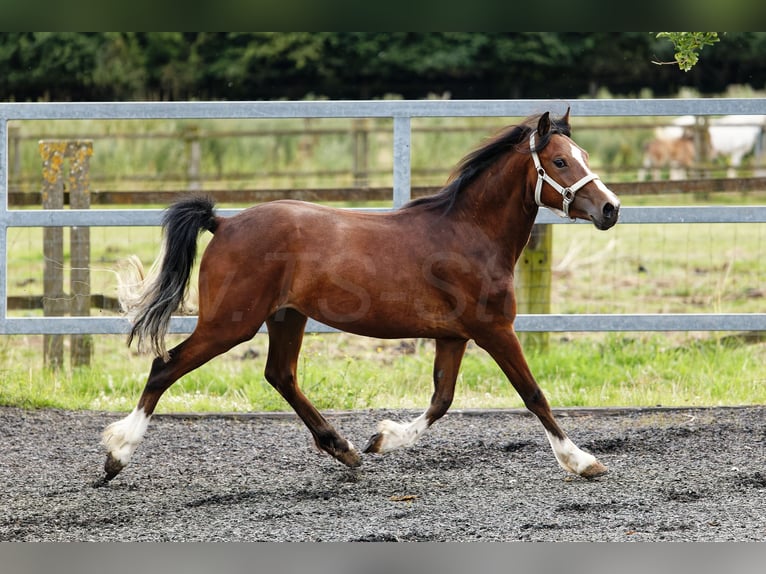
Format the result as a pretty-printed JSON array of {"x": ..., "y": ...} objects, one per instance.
[{"x": 567, "y": 193}]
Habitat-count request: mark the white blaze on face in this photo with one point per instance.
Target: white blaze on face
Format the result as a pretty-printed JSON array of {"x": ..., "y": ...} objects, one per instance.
[
  {"x": 580, "y": 158},
  {"x": 121, "y": 438}
]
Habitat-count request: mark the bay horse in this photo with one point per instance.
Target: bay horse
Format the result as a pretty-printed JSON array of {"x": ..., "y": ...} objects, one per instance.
[{"x": 440, "y": 267}]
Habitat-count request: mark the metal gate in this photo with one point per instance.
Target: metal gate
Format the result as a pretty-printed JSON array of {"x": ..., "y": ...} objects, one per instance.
[{"x": 402, "y": 113}]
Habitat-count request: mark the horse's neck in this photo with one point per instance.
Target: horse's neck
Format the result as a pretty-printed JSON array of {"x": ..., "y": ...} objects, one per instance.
[{"x": 504, "y": 207}]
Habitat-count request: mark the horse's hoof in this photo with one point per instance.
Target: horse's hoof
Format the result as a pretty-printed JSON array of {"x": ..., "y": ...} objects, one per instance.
[
  {"x": 99, "y": 482},
  {"x": 112, "y": 468},
  {"x": 375, "y": 442},
  {"x": 350, "y": 458},
  {"x": 594, "y": 470}
]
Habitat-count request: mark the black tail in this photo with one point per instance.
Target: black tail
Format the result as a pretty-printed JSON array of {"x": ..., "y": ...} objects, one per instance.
[{"x": 181, "y": 225}]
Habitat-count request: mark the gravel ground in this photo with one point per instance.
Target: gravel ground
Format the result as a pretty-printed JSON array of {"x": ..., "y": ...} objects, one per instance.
[{"x": 675, "y": 475}]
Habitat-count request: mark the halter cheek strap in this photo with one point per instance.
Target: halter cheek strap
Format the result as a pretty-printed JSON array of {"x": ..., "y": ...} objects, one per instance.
[{"x": 567, "y": 193}]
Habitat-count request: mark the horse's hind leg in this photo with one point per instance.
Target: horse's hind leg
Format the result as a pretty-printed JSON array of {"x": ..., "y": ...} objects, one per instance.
[
  {"x": 122, "y": 437},
  {"x": 392, "y": 435},
  {"x": 285, "y": 338}
]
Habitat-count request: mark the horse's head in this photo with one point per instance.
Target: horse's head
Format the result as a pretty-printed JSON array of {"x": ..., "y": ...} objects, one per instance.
[{"x": 564, "y": 182}]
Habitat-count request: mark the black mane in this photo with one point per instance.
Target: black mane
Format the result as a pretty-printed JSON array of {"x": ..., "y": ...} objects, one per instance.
[{"x": 485, "y": 156}]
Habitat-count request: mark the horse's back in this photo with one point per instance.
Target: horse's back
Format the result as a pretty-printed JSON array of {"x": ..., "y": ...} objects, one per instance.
[{"x": 289, "y": 216}]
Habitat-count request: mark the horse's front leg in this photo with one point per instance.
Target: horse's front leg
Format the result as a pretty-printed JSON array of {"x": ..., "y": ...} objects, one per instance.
[
  {"x": 392, "y": 435},
  {"x": 505, "y": 349}
]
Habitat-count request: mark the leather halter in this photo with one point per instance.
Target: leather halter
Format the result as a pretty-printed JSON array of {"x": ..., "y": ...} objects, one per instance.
[{"x": 567, "y": 193}]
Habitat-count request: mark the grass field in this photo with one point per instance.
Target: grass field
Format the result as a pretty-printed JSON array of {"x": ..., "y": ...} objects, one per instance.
[
  {"x": 629, "y": 269},
  {"x": 339, "y": 371}
]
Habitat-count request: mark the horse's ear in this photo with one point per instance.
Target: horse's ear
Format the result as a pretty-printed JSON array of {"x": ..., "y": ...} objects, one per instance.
[
  {"x": 565, "y": 117},
  {"x": 544, "y": 124}
]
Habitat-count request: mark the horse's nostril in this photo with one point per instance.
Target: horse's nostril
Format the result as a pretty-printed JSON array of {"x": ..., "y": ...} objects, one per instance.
[{"x": 609, "y": 210}]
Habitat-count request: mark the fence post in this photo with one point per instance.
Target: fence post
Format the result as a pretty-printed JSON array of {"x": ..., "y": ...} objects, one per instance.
[
  {"x": 194, "y": 155},
  {"x": 360, "y": 137},
  {"x": 701, "y": 136},
  {"x": 532, "y": 281},
  {"x": 14, "y": 156},
  {"x": 55, "y": 301},
  {"x": 79, "y": 153},
  {"x": 54, "y": 304}
]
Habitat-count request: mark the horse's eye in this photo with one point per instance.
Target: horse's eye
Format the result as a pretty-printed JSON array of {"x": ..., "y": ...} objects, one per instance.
[{"x": 559, "y": 162}]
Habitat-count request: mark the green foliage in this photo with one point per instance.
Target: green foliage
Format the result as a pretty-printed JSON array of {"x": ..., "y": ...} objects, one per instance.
[
  {"x": 688, "y": 45},
  {"x": 62, "y": 66}
]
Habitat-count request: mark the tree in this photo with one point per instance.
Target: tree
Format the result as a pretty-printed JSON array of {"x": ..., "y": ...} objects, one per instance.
[
  {"x": 63, "y": 66},
  {"x": 687, "y": 46}
]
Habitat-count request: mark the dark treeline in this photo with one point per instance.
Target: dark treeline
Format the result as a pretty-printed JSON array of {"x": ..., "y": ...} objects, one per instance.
[{"x": 73, "y": 66}]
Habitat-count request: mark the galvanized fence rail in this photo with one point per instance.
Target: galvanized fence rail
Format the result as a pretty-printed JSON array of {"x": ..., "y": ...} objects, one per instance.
[{"x": 401, "y": 112}]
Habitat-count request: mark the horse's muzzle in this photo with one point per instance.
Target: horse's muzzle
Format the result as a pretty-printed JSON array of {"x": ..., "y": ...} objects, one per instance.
[{"x": 609, "y": 215}]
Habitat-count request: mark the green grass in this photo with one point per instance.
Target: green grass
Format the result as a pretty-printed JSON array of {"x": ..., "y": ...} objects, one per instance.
[
  {"x": 675, "y": 268},
  {"x": 341, "y": 372}
]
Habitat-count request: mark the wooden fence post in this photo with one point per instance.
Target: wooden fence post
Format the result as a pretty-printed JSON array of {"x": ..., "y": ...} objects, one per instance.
[
  {"x": 360, "y": 142},
  {"x": 701, "y": 137},
  {"x": 194, "y": 157},
  {"x": 79, "y": 153},
  {"x": 532, "y": 281},
  {"x": 55, "y": 302},
  {"x": 14, "y": 155}
]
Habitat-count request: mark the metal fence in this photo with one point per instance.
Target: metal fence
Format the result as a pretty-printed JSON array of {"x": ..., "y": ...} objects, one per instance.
[{"x": 402, "y": 113}]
